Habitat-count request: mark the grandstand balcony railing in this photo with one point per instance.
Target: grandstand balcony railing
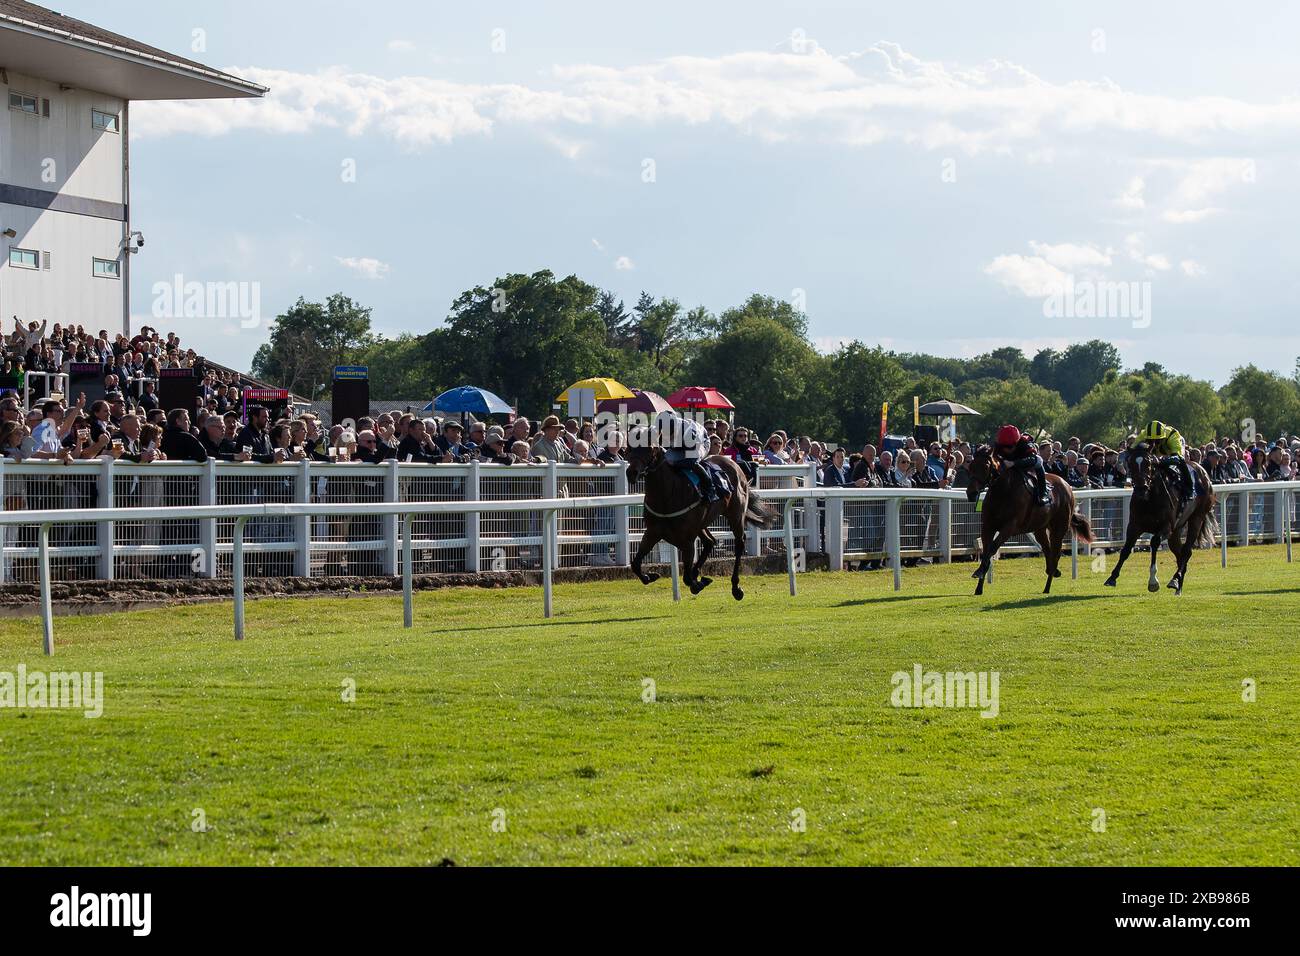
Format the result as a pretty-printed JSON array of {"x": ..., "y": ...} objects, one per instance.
[{"x": 846, "y": 525}]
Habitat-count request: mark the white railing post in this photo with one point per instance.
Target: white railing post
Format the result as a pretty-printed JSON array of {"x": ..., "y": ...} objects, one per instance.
[
  {"x": 208, "y": 527},
  {"x": 812, "y": 541},
  {"x": 551, "y": 529},
  {"x": 622, "y": 521},
  {"x": 894, "y": 538},
  {"x": 388, "y": 560},
  {"x": 473, "y": 546},
  {"x": 104, "y": 532},
  {"x": 47, "y": 605},
  {"x": 302, "y": 526},
  {"x": 408, "y": 575},
  {"x": 945, "y": 531},
  {"x": 1243, "y": 518},
  {"x": 835, "y": 533},
  {"x": 1279, "y": 514},
  {"x": 237, "y": 575},
  {"x": 1223, "y": 530}
]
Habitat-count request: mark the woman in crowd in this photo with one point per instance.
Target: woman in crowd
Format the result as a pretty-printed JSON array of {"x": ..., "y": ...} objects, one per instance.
[{"x": 773, "y": 452}]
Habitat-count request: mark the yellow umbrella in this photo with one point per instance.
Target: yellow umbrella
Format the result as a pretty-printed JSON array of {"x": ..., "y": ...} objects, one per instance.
[{"x": 605, "y": 389}]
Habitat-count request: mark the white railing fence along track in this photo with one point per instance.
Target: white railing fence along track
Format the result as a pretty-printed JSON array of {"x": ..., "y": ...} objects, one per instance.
[{"x": 106, "y": 520}]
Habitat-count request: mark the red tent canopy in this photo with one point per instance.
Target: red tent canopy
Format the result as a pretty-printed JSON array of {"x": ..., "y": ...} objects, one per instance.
[
  {"x": 648, "y": 403},
  {"x": 696, "y": 397}
]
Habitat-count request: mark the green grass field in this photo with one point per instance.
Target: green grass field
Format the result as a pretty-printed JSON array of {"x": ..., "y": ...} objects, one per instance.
[{"x": 1126, "y": 702}]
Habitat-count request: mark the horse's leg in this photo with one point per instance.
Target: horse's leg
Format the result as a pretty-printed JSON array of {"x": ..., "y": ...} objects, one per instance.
[
  {"x": 1153, "y": 582},
  {"x": 1045, "y": 543},
  {"x": 1182, "y": 552},
  {"x": 988, "y": 549},
  {"x": 736, "y": 519},
  {"x": 707, "y": 544},
  {"x": 1130, "y": 539},
  {"x": 651, "y": 537}
]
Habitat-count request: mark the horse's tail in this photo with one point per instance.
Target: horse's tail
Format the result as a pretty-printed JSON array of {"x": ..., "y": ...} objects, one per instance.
[
  {"x": 758, "y": 512},
  {"x": 1209, "y": 521},
  {"x": 1081, "y": 526}
]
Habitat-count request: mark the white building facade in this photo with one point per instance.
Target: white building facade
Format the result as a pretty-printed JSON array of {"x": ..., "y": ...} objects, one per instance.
[{"x": 65, "y": 216}]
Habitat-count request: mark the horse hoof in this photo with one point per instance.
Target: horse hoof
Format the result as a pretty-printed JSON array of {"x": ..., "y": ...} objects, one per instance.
[
  {"x": 738, "y": 594},
  {"x": 1153, "y": 586},
  {"x": 650, "y": 578},
  {"x": 1056, "y": 573},
  {"x": 700, "y": 585},
  {"x": 1109, "y": 582}
]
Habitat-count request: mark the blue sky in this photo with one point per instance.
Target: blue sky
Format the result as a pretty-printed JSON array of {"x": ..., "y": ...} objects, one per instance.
[{"x": 923, "y": 176}]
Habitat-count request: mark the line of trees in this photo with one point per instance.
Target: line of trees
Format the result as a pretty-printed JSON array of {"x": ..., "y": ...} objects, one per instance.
[{"x": 526, "y": 337}]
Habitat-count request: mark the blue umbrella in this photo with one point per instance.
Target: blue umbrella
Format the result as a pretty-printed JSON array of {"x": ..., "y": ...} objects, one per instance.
[{"x": 467, "y": 398}]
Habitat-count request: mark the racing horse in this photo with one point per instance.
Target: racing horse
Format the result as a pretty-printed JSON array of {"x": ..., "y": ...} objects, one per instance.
[
  {"x": 1156, "y": 509},
  {"x": 675, "y": 512},
  {"x": 1012, "y": 507}
]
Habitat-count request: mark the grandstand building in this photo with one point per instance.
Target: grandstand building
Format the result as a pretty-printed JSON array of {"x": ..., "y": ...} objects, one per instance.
[{"x": 65, "y": 161}]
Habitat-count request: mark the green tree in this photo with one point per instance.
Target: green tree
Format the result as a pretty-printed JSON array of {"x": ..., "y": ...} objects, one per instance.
[
  {"x": 310, "y": 339},
  {"x": 1019, "y": 402},
  {"x": 1260, "y": 400},
  {"x": 774, "y": 377},
  {"x": 1191, "y": 406},
  {"x": 526, "y": 337},
  {"x": 927, "y": 387},
  {"x": 1110, "y": 412},
  {"x": 860, "y": 379},
  {"x": 1075, "y": 371},
  {"x": 759, "y": 306}
]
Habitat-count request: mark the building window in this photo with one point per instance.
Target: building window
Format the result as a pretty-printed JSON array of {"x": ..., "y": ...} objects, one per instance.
[
  {"x": 107, "y": 269},
  {"x": 23, "y": 258},
  {"x": 104, "y": 121},
  {"x": 23, "y": 102}
]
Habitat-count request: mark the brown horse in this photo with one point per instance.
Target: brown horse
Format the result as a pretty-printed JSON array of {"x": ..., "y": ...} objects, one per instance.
[
  {"x": 1156, "y": 509},
  {"x": 1012, "y": 507},
  {"x": 675, "y": 512}
]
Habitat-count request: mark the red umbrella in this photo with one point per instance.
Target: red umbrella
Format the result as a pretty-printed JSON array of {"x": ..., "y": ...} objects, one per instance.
[
  {"x": 648, "y": 403},
  {"x": 696, "y": 397}
]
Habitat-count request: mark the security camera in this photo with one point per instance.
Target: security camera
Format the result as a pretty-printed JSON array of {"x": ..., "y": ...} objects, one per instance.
[{"x": 139, "y": 238}]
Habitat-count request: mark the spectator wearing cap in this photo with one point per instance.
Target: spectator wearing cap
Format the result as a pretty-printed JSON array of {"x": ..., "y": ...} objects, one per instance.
[
  {"x": 493, "y": 448},
  {"x": 549, "y": 445},
  {"x": 451, "y": 443}
]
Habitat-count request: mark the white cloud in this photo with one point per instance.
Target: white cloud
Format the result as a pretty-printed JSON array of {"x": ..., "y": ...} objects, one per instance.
[
  {"x": 1132, "y": 195},
  {"x": 623, "y": 264},
  {"x": 1183, "y": 216},
  {"x": 880, "y": 94},
  {"x": 598, "y": 244},
  {"x": 1135, "y": 244},
  {"x": 1070, "y": 256},
  {"x": 1191, "y": 268},
  {"x": 1031, "y": 276},
  {"x": 401, "y": 46},
  {"x": 364, "y": 267}
]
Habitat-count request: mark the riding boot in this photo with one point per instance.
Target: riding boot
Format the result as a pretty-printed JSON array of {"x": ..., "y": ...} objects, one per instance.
[
  {"x": 1040, "y": 478},
  {"x": 1185, "y": 471},
  {"x": 706, "y": 480}
]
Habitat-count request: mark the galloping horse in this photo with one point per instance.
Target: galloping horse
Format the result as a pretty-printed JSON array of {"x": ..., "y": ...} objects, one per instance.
[
  {"x": 675, "y": 512},
  {"x": 1012, "y": 507},
  {"x": 1155, "y": 510}
]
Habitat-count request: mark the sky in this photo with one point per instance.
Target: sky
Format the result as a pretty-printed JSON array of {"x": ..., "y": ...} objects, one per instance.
[{"x": 943, "y": 176}]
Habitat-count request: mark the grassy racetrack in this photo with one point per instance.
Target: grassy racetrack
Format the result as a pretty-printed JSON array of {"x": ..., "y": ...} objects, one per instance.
[{"x": 1126, "y": 701}]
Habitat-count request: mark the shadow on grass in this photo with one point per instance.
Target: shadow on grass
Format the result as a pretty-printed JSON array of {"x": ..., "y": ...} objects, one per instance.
[
  {"x": 554, "y": 622},
  {"x": 1046, "y": 600},
  {"x": 892, "y": 598}
]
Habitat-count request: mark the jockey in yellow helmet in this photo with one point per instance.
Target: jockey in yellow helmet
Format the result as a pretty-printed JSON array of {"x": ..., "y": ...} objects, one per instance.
[{"x": 1166, "y": 443}]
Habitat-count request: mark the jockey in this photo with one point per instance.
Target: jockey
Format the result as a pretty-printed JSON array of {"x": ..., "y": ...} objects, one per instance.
[
  {"x": 1010, "y": 445},
  {"x": 1165, "y": 443},
  {"x": 686, "y": 444}
]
